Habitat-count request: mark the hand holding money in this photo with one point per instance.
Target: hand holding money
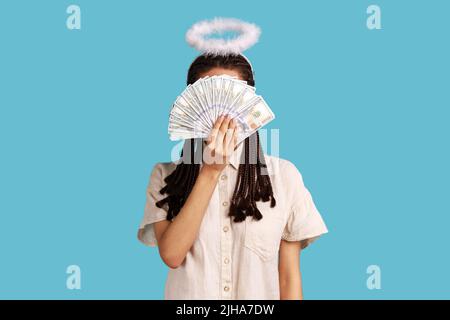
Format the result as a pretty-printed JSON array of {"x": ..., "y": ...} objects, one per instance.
[{"x": 220, "y": 143}]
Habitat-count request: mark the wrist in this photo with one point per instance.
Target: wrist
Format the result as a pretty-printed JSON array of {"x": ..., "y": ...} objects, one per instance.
[{"x": 210, "y": 172}]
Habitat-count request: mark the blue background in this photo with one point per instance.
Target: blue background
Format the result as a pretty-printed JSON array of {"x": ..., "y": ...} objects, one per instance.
[{"x": 83, "y": 119}]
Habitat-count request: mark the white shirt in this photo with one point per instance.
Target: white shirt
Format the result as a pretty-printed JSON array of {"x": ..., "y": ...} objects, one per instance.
[{"x": 232, "y": 260}]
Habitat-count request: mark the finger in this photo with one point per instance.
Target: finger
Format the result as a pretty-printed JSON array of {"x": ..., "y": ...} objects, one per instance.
[
  {"x": 237, "y": 132},
  {"x": 232, "y": 124},
  {"x": 217, "y": 124},
  {"x": 210, "y": 142},
  {"x": 233, "y": 141},
  {"x": 222, "y": 130},
  {"x": 228, "y": 141},
  {"x": 229, "y": 135},
  {"x": 215, "y": 129}
]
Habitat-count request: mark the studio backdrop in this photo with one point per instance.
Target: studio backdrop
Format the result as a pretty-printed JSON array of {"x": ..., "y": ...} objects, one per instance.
[{"x": 360, "y": 90}]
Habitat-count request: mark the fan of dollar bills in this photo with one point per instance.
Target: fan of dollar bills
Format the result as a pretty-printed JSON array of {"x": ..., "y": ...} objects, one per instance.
[{"x": 197, "y": 108}]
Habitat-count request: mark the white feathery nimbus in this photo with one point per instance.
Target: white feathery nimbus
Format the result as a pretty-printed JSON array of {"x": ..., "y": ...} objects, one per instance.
[{"x": 248, "y": 35}]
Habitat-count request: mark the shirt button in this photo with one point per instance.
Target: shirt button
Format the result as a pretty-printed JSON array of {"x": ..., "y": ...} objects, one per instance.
[
  {"x": 225, "y": 229},
  {"x": 224, "y": 177},
  {"x": 225, "y": 203},
  {"x": 226, "y": 288},
  {"x": 226, "y": 260}
]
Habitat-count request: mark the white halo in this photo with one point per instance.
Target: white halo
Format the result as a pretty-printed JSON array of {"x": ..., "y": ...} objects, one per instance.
[{"x": 248, "y": 36}]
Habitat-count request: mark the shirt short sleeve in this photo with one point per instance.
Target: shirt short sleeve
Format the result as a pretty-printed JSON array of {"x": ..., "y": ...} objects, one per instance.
[
  {"x": 153, "y": 214},
  {"x": 304, "y": 223}
]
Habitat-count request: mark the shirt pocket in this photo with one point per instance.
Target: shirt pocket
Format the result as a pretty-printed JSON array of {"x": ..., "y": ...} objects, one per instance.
[{"x": 263, "y": 236}]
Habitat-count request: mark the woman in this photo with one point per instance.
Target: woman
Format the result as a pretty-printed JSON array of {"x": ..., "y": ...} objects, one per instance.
[{"x": 230, "y": 229}]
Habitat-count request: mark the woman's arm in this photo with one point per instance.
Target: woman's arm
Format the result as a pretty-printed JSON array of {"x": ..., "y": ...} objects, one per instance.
[
  {"x": 177, "y": 237},
  {"x": 289, "y": 271}
]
